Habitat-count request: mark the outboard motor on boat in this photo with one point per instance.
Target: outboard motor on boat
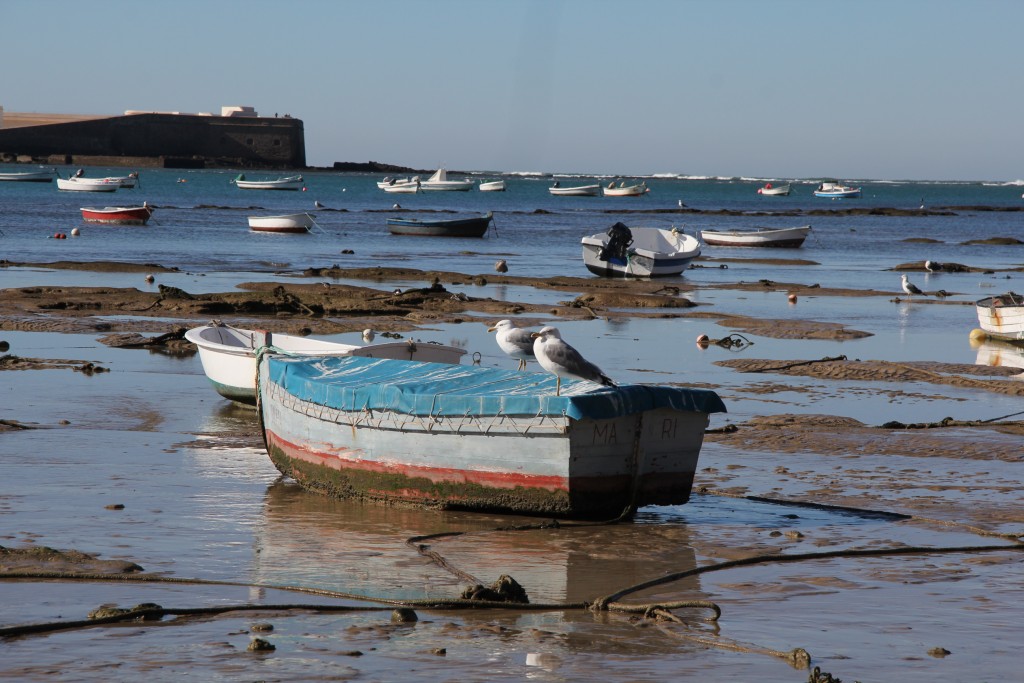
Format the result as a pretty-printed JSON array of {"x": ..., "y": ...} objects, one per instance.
[{"x": 619, "y": 239}]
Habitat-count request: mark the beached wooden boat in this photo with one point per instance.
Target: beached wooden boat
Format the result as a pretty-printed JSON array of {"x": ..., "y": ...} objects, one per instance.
[
  {"x": 1002, "y": 317},
  {"x": 118, "y": 215},
  {"x": 228, "y": 354},
  {"x": 639, "y": 252},
  {"x": 618, "y": 188},
  {"x": 288, "y": 223},
  {"x": 481, "y": 439},
  {"x": 777, "y": 191},
  {"x": 28, "y": 176},
  {"x": 80, "y": 184},
  {"x": 452, "y": 227},
  {"x": 439, "y": 183},
  {"x": 289, "y": 183},
  {"x": 758, "y": 237},
  {"x": 832, "y": 189},
  {"x": 492, "y": 186},
  {"x": 577, "y": 191}
]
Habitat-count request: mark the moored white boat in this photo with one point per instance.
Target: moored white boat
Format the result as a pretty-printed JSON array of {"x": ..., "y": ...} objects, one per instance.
[
  {"x": 758, "y": 237},
  {"x": 118, "y": 215},
  {"x": 480, "y": 439},
  {"x": 28, "y": 176},
  {"x": 124, "y": 181},
  {"x": 639, "y": 252},
  {"x": 439, "y": 183},
  {"x": 403, "y": 188},
  {"x": 832, "y": 189},
  {"x": 80, "y": 184},
  {"x": 288, "y": 223},
  {"x": 228, "y": 354},
  {"x": 1002, "y": 317},
  {"x": 492, "y": 186},
  {"x": 618, "y": 188},
  {"x": 577, "y": 191},
  {"x": 397, "y": 182},
  {"x": 774, "y": 191},
  {"x": 288, "y": 183}
]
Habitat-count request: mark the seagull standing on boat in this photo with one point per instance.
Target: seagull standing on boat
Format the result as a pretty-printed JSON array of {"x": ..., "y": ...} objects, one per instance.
[
  {"x": 514, "y": 341},
  {"x": 909, "y": 287},
  {"x": 562, "y": 360}
]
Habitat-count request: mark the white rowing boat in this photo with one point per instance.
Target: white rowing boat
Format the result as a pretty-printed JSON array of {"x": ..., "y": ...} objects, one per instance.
[{"x": 228, "y": 354}]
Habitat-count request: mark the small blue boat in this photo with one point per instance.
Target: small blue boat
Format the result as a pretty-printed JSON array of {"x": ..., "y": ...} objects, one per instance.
[
  {"x": 484, "y": 439},
  {"x": 833, "y": 189}
]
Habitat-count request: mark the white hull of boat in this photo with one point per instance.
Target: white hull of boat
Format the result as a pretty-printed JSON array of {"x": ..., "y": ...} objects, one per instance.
[
  {"x": 295, "y": 222},
  {"x": 86, "y": 185},
  {"x": 493, "y": 186},
  {"x": 447, "y": 186},
  {"x": 1002, "y": 317},
  {"x": 766, "y": 237},
  {"x": 402, "y": 188},
  {"x": 290, "y": 183},
  {"x": 578, "y": 191},
  {"x": 439, "y": 183},
  {"x": 769, "y": 191},
  {"x": 126, "y": 181},
  {"x": 654, "y": 252},
  {"x": 228, "y": 355},
  {"x": 834, "y": 190},
  {"x": 28, "y": 177},
  {"x": 613, "y": 190}
]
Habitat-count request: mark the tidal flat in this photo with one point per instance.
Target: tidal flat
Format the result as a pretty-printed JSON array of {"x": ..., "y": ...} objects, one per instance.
[{"x": 857, "y": 510}]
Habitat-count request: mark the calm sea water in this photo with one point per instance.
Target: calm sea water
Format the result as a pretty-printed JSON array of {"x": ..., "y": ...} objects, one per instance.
[{"x": 200, "y": 224}]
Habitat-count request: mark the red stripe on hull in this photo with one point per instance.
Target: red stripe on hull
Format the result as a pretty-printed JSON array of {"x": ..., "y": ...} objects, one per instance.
[{"x": 348, "y": 459}]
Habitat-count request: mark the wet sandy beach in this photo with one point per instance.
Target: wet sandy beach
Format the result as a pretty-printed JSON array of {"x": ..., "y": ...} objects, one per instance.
[{"x": 880, "y": 494}]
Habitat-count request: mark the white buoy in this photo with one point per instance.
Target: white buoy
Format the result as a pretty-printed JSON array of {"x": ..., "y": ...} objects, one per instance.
[{"x": 74, "y": 232}]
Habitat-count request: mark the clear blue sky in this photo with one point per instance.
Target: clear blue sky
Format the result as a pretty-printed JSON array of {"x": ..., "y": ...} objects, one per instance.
[{"x": 896, "y": 89}]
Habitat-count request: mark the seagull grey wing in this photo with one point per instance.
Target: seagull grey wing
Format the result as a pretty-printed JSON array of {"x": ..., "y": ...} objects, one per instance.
[
  {"x": 572, "y": 363},
  {"x": 522, "y": 340}
]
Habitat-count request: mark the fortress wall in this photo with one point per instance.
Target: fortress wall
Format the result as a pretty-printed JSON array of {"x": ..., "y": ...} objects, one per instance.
[{"x": 163, "y": 140}]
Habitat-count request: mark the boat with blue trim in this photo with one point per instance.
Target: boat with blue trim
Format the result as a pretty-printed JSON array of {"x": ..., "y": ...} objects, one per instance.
[{"x": 477, "y": 438}]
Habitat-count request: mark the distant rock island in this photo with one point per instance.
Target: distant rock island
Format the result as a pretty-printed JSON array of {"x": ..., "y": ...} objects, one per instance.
[{"x": 380, "y": 167}]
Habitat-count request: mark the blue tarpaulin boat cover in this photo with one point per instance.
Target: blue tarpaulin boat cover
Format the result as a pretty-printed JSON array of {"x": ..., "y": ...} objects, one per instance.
[{"x": 356, "y": 383}]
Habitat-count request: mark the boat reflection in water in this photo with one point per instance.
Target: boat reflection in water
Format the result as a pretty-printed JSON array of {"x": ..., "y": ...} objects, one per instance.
[
  {"x": 999, "y": 354},
  {"x": 353, "y": 547}
]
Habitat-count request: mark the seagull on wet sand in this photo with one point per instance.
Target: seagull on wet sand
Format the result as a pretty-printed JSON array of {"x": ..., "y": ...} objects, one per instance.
[
  {"x": 368, "y": 335},
  {"x": 514, "y": 341},
  {"x": 932, "y": 266},
  {"x": 909, "y": 287},
  {"x": 557, "y": 357}
]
